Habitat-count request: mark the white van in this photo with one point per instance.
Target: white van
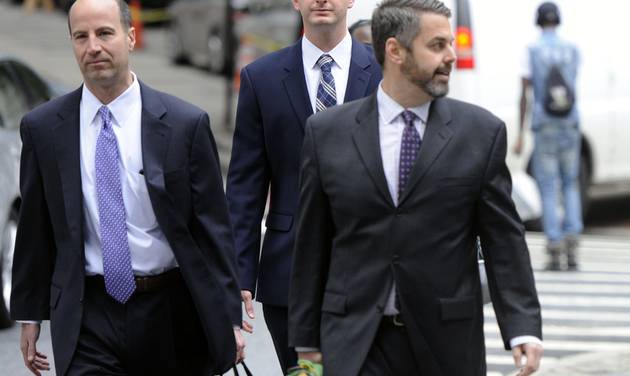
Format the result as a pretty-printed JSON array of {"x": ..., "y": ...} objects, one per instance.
[{"x": 501, "y": 30}]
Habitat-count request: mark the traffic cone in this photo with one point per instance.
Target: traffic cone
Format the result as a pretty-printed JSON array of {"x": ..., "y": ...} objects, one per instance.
[{"x": 136, "y": 22}]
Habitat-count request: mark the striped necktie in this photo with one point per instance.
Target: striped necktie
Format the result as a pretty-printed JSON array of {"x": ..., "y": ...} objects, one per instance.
[{"x": 326, "y": 96}]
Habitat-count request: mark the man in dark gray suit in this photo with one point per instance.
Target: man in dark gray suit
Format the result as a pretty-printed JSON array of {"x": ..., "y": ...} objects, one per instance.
[
  {"x": 395, "y": 188},
  {"x": 124, "y": 241}
]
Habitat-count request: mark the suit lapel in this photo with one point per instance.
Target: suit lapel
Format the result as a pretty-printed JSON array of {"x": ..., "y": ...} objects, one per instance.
[
  {"x": 436, "y": 137},
  {"x": 155, "y": 136},
  {"x": 358, "y": 75},
  {"x": 295, "y": 84},
  {"x": 366, "y": 140},
  {"x": 66, "y": 139}
]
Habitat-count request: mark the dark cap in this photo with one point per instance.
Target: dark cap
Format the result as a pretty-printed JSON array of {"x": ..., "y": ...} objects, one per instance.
[{"x": 548, "y": 14}]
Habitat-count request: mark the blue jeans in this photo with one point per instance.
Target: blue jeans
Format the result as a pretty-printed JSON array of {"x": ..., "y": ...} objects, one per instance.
[{"x": 556, "y": 163}]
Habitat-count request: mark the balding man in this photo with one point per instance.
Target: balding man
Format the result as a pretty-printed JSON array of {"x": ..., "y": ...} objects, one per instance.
[{"x": 124, "y": 241}]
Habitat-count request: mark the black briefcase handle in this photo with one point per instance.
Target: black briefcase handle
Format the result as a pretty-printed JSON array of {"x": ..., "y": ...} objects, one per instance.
[{"x": 242, "y": 363}]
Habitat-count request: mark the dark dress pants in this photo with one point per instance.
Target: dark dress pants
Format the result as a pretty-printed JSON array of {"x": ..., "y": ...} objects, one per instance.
[
  {"x": 391, "y": 353},
  {"x": 154, "y": 333},
  {"x": 277, "y": 321}
]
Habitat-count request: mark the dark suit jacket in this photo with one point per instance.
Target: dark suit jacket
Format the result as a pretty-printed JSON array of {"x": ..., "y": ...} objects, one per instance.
[
  {"x": 185, "y": 187},
  {"x": 272, "y": 110},
  {"x": 352, "y": 241}
]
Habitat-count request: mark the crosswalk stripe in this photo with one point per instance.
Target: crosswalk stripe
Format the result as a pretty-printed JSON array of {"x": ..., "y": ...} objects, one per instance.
[
  {"x": 616, "y": 268},
  {"x": 581, "y": 277},
  {"x": 574, "y": 331},
  {"x": 569, "y": 315},
  {"x": 610, "y": 241},
  {"x": 508, "y": 360},
  {"x": 582, "y": 288},
  {"x": 582, "y": 301},
  {"x": 550, "y": 344},
  {"x": 621, "y": 253}
]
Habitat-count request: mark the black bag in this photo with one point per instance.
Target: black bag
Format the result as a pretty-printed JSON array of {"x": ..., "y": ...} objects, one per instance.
[
  {"x": 247, "y": 371},
  {"x": 559, "y": 97}
]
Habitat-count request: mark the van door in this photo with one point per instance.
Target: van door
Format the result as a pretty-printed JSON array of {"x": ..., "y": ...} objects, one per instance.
[{"x": 618, "y": 77}]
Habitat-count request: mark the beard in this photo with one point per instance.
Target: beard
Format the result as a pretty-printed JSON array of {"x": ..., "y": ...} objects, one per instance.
[{"x": 427, "y": 81}]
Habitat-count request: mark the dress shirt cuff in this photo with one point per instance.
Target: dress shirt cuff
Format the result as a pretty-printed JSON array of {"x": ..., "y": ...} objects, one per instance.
[
  {"x": 306, "y": 349},
  {"x": 524, "y": 339},
  {"x": 28, "y": 321}
]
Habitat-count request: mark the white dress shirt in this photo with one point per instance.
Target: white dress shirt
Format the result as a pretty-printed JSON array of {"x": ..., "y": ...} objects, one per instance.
[
  {"x": 150, "y": 252},
  {"x": 341, "y": 54}
]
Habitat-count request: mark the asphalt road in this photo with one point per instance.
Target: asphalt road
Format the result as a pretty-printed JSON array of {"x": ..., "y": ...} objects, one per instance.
[{"x": 610, "y": 216}]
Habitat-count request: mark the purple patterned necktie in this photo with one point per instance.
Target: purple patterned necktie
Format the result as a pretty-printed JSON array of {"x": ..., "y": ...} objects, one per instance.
[
  {"x": 326, "y": 95},
  {"x": 409, "y": 148},
  {"x": 119, "y": 280}
]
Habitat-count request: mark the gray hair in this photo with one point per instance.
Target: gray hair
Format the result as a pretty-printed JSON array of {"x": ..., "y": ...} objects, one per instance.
[
  {"x": 400, "y": 19},
  {"x": 125, "y": 14}
]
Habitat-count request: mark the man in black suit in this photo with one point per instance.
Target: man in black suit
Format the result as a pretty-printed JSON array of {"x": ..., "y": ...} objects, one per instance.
[
  {"x": 278, "y": 93},
  {"x": 124, "y": 241},
  {"x": 395, "y": 188}
]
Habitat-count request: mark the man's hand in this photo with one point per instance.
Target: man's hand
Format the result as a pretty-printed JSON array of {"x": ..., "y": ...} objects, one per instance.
[
  {"x": 533, "y": 352},
  {"x": 246, "y": 296},
  {"x": 33, "y": 360},
  {"x": 240, "y": 345},
  {"x": 313, "y": 356}
]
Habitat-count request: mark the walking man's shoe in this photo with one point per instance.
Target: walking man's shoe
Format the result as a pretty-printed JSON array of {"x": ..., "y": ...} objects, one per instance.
[
  {"x": 571, "y": 245},
  {"x": 554, "y": 250}
]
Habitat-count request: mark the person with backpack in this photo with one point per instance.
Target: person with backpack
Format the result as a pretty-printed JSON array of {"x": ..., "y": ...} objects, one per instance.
[{"x": 551, "y": 72}]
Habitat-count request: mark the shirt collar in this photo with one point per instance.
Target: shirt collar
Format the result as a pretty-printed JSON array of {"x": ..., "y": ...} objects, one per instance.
[
  {"x": 119, "y": 107},
  {"x": 389, "y": 109},
  {"x": 549, "y": 33},
  {"x": 341, "y": 54}
]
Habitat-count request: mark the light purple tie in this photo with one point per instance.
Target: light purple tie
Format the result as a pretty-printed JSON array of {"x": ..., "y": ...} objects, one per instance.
[
  {"x": 119, "y": 281},
  {"x": 409, "y": 149}
]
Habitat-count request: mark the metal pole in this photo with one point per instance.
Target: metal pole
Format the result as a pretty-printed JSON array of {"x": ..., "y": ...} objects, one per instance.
[{"x": 230, "y": 54}]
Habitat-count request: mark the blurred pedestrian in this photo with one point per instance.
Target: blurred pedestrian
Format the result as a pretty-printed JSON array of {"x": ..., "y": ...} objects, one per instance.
[
  {"x": 361, "y": 31},
  {"x": 31, "y": 5},
  {"x": 550, "y": 72},
  {"x": 124, "y": 241},
  {"x": 394, "y": 190},
  {"x": 278, "y": 92}
]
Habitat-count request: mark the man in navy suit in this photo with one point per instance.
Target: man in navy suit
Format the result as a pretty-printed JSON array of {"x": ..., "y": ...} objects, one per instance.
[
  {"x": 278, "y": 93},
  {"x": 124, "y": 241}
]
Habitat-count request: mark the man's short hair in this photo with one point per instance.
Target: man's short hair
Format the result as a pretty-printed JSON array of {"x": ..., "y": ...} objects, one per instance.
[
  {"x": 125, "y": 15},
  {"x": 548, "y": 14},
  {"x": 401, "y": 19}
]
